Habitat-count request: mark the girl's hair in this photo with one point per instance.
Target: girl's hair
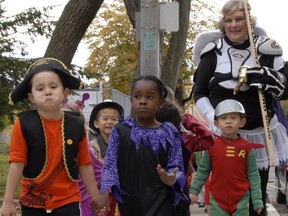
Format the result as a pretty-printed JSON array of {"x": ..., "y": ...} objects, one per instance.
[
  {"x": 170, "y": 95},
  {"x": 160, "y": 85},
  {"x": 170, "y": 112},
  {"x": 73, "y": 108},
  {"x": 231, "y": 6}
]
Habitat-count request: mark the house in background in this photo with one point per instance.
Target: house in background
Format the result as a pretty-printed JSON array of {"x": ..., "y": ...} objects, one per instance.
[{"x": 88, "y": 98}]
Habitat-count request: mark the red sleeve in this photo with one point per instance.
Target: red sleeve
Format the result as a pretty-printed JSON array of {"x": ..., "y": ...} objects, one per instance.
[{"x": 18, "y": 146}]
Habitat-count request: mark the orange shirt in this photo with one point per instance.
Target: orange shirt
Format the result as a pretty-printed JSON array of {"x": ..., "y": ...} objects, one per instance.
[{"x": 62, "y": 191}]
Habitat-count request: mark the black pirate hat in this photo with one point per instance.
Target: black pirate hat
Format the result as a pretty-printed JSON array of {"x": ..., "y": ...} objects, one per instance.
[
  {"x": 100, "y": 106},
  {"x": 44, "y": 64}
]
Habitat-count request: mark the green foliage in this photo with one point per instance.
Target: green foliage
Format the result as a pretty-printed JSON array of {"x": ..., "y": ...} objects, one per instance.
[
  {"x": 113, "y": 47},
  {"x": 32, "y": 22},
  {"x": 12, "y": 70},
  {"x": 3, "y": 172},
  {"x": 4, "y": 166}
]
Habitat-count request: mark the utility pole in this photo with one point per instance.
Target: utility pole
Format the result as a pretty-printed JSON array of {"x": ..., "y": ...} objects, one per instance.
[
  {"x": 149, "y": 37},
  {"x": 153, "y": 18}
]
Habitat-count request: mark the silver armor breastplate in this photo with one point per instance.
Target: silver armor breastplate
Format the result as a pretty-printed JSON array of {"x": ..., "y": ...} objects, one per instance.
[{"x": 229, "y": 62}]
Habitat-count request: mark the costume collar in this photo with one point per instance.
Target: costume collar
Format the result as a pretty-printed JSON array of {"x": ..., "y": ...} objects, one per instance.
[{"x": 243, "y": 45}]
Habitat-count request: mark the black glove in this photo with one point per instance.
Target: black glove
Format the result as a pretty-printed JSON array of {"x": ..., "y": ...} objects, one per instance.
[{"x": 266, "y": 79}]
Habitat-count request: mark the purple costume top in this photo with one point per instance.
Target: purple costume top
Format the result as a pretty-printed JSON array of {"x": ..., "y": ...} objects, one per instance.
[
  {"x": 97, "y": 167},
  {"x": 130, "y": 168}
]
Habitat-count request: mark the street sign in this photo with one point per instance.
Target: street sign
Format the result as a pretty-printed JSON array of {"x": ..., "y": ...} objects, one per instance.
[{"x": 169, "y": 16}]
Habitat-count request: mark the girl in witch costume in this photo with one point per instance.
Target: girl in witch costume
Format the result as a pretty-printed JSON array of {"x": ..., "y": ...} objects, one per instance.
[
  {"x": 144, "y": 161},
  {"x": 217, "y": 76},
  {"x": 232, "y": 164},
  {"x": 48, "y": 146},
  {"x": 197, "y": 137},
  {"x": 172, "y": 112}
]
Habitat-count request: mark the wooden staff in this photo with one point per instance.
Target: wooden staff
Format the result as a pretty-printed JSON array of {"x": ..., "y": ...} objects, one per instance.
[{"x": 260, "y": 92}]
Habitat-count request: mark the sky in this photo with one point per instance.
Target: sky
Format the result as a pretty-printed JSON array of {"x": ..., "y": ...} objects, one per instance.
[
  {"x": 270, "y": 15},
  {"x": 38, "y": 48}
]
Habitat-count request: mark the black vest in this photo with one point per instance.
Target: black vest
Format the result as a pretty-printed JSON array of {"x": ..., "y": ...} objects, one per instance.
[{"x": 33, "y": 132}]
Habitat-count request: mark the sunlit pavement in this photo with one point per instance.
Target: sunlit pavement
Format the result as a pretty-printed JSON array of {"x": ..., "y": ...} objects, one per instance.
[{"x": 195, "y": 211}]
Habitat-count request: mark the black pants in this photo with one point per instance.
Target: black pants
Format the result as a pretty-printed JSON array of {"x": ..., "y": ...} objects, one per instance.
[
  {"x": 183, "y": 208},
  {"x": 264, "y": 176},
  {"x": 72, "y": 209}
]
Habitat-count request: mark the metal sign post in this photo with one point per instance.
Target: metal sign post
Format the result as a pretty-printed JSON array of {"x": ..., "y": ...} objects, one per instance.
[{"x": 152, "y": 18}]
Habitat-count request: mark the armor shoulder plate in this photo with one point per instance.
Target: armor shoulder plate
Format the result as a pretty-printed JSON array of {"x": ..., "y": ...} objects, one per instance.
[
  {"x": 268, "y": 46},
  {"x": 208, "y": 48}
]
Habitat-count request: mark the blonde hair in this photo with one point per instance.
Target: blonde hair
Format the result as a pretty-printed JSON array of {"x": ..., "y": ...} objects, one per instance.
[{"x": 231, "y": 6}]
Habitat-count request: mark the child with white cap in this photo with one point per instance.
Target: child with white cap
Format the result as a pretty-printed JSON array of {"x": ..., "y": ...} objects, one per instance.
[{"x": 232, "y": 163}]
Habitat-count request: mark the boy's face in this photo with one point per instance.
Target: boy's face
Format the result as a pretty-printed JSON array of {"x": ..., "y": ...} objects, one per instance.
[
  {"x": 47, "y": 91},
  {"x": 229, "y": 124},
  {"x": 107, "y": 118}
]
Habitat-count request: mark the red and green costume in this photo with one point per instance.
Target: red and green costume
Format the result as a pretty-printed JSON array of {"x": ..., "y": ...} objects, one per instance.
[{"x": 234, "y": 171}]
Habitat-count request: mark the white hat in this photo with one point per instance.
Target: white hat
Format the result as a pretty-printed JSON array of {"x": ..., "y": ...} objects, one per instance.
[{"x": 229, "y": 106}]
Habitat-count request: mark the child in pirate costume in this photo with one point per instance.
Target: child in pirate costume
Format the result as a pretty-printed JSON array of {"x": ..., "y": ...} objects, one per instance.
[
  {"x": 48, "y": 146},
  {"x": 232, "y": 164},
  {"x": 102, "y": 119}
]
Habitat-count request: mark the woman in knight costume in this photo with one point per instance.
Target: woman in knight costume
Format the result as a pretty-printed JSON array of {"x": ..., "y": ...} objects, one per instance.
[{"x": 217, "y": 79}]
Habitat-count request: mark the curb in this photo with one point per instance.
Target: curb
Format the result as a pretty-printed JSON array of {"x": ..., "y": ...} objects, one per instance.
[{"x": 271, "y": 210}]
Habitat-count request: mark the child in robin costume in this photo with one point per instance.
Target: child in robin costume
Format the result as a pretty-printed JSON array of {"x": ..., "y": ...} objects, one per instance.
[
  {"x": 232, "y": 163},
  {"x": 49, "y": 147}
]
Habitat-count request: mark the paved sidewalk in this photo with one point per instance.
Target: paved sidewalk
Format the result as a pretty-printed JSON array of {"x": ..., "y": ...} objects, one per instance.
[{"x": 195, "y": 211}]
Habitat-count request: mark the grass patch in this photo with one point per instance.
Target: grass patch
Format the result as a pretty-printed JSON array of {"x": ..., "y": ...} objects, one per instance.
[
  {"x": 4, "y": 166},
  {"x": 3, "y": 172}
]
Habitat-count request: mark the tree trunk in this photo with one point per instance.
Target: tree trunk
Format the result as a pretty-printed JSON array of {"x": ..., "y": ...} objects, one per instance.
[
  {"x": 70, "y": 29},
  {"x": 132, "y": 6},
  {"x": 172, "y": 62},
  {"x": 78, "y": 15},
  {"x": 177, "y": 45}
]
